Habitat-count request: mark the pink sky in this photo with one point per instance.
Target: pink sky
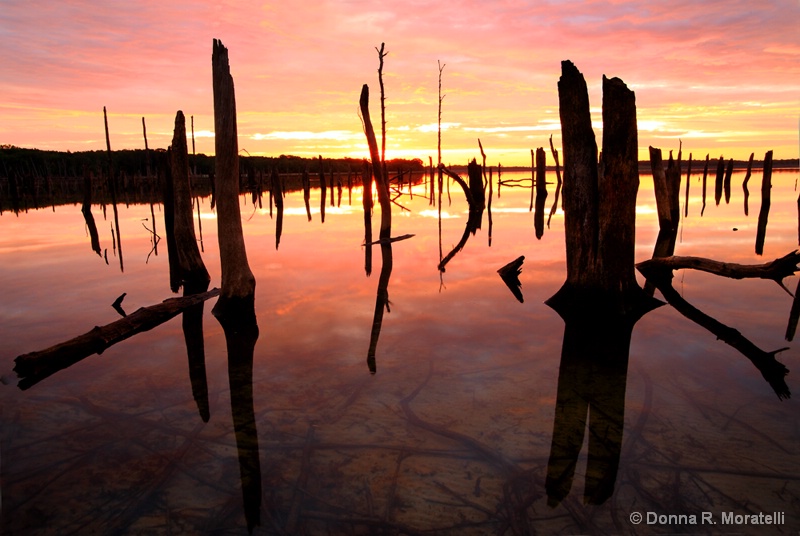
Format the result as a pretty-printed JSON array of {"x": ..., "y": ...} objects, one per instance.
[{"x": 722, "y": 76}]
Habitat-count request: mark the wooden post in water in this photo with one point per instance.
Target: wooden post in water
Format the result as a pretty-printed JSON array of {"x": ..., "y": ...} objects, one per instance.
[
  {"x": 541, "y": 192},
  {"x": 476, "y": 185},
  {"x": 193, "y": 274},
  {"x": 705, "y": 176},
  {"x": 323, "y": 189},
  {"x": 237, "y": 296},
  {"x": 662, "y": 189},
  {"x": 112, "y": 182},
  {"x": 673, "y": 174},
  {"x": 146, "y": 148},
  {"x": 720, "y": 179},
  {"x": 726, "y": 183},
  {"x": 763, "y": 214},
  {"x": 744, "y": 183},
  {"x": 686, "y": 200},
  {"x": 580, "y": 178}
]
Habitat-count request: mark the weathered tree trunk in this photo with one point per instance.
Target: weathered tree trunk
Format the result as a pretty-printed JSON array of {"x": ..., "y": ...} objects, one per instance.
[
  {"x": 36, "y": 366},
  {"x": 377, "y": 170},
  {"x": 673, "y": 174},
  {"x": 662, "y": 189},
  {"x": 475, "y": 174},
  {"x": 763, "y": 214},
  {"x": 599, "y": 211},
  {"x": 238, "y": 282},
  {"x": 193, "y": 273},
  {"x": 164, "y": 171},
  {"x": 580, "y": 178}
]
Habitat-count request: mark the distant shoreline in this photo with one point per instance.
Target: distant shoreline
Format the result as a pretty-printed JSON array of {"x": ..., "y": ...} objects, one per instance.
[
  {"x": 46, "y": 162},
  {"x": 786, "y": 164}
]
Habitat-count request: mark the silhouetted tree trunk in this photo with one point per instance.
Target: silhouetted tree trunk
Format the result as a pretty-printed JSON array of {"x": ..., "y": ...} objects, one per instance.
[
  {"x": 763, "y": 214},
  {"x": 193, "y": 273},
  {"x": 238, "y": 282},
  {"x": 377, "y": 170}
]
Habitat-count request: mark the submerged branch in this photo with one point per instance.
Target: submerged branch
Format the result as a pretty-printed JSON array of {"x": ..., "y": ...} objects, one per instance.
[
  {"x": 33, "y": 367},
  {"x": 771, "y": 369}
]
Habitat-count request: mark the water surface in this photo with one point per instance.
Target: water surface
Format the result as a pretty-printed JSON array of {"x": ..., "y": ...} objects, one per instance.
[{"x": 453, "y": 434}]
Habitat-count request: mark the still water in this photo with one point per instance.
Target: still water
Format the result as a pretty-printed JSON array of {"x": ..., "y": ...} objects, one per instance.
[{"x": 453, "y": 434}]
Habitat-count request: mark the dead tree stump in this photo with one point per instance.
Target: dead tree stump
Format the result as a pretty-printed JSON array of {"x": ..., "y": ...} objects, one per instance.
[
  {"x": 238, "y": 282},
  {"x": 192, "y": 272},
  {"x": 763, "y": 214},
  {"x": 599, "y": 211}
]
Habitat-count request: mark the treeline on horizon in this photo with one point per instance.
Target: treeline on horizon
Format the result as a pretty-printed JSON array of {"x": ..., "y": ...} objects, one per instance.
[
  {"x": 137, "y": 162},
  {"x": 44, "y": 163}
]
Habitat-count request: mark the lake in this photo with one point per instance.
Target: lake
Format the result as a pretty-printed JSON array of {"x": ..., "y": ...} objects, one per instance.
[{"x": 452, "y": 434}]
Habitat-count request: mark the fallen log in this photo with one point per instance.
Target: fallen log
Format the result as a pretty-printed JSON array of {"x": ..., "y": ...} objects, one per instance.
[
  {"x": 33, "y": 367},
  {"x": 776, "y": 270}
]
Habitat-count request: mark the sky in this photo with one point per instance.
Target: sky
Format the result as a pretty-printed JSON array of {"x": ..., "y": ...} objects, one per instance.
[{"x": 719, "y": 76}]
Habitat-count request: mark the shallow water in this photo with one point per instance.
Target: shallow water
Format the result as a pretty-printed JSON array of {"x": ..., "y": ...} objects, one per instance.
[{"x": 454, "y": 432}]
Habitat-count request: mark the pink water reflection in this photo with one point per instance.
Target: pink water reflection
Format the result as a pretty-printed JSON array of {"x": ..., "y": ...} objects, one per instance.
[{"x": 122, "y": 433}]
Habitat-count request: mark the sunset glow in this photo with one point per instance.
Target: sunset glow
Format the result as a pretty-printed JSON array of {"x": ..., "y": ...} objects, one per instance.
[{"x": 723, "y": 77}]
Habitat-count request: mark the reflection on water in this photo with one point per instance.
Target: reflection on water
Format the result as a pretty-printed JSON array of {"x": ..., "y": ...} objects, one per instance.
[{"x": 486, "y": 415}]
